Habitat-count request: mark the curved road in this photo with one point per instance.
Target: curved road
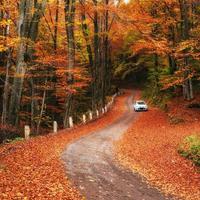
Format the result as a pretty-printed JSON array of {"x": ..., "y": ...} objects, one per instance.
[{"x": 91, "y": 167}]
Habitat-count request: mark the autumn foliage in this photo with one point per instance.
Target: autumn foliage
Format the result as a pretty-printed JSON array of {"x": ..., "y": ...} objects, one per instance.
[
  {"x": 60, "y": 59},
  {"x": 151, "y": 146},
  {"x": 33, "y": 169}
]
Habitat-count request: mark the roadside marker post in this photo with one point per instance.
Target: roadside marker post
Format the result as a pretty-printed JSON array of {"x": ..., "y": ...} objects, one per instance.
[
  {"x": 27, "y": 132},
  {"x": 84, "y": 118},
  {"x": 55, "y": 127},
  {"x": 71, "y": 124},
  {"x": 106, "y": 109},
  {"x": 97, "y": 112},
  {"x": 90, "y": 116}
]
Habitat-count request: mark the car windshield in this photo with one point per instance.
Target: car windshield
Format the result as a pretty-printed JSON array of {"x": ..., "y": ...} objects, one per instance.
[{"x": 141, "y": 103}]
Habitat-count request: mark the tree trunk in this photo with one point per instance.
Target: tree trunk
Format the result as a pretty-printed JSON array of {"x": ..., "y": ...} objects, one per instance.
[
  {"x": 32, "y": 104},
  {"x": 4, "y": 15},
  {"x": 42, "y": 109},
  {"x": 96, "y": 56},
  {"x": 69, "y": 20},
  {"x": 172, "y": 64},
  {"x": 156, "y": 63},
  {"x": 85, "y": 31},
  {"x": 185, "y": 29},
  {"x": 6, "y": 89},
  {"x": 67, "y": 110},
  {"x": 27, "y": 30},
  {"x": 105, "y": 57},
  {"x": 8, "y": 65},
  {"x": 56, "y": 25}
]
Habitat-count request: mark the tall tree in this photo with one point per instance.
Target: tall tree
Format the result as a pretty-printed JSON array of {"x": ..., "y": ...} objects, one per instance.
[
  {"x": 27, "y": 31},
  {"x": 185, "y": 33},
  {"x": 8, "y": 65},
  {"x": 70, "y": 25}
]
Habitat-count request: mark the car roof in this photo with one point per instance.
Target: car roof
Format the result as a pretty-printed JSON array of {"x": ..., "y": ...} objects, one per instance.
[{"x": 140, "y": 101}]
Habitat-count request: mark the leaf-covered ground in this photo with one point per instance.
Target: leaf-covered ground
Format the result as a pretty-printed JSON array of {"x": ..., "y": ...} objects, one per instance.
[
  {"x": 150, "y": 147},
  {"x": 33, "y": 169}
]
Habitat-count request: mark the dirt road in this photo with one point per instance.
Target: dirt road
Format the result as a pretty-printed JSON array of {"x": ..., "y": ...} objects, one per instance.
[{"x": 91, "y": 167}]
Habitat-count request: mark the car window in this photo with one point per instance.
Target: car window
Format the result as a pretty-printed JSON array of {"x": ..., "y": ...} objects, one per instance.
[{"x": 141, "y": 103}]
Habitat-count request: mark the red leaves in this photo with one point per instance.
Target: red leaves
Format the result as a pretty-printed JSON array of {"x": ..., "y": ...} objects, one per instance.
[
  {"x": 150, "y": 147},
  {"x": 33, "y": 170},
  {"x": 151, "y": 46}
]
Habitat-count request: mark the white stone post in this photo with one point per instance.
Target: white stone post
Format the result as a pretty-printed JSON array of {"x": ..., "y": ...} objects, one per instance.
[
  {"x": 27, "y": 132},
  {"x": 71, "y": 124},
  {"x": 112, "y": 100},
  {"x": 106, "y": 109},
  {"x": 84, "y": 118},
  {"x": 103, "y": 111},
  {"x": 97, "y": 112},
  {"x": 90, "y": 116},
  {"x": 55, "y": 127}
]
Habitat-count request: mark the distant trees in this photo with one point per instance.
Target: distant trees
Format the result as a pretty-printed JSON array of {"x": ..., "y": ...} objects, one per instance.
[{"x": 166, "y": 33}]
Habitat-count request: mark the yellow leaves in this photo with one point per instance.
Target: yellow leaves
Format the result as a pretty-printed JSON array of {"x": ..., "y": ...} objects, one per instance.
[
  {"x": 7, "y": 42},
  {"x": 3, "y": 48},
  {"x": 186, "y": 45},
  {"x": 150, "y": 45},
  {"x": 177, "y": 78},
  {"x": 5, "y": 22}
]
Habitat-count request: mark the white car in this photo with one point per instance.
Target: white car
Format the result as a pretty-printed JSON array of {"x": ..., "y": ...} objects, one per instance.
[{"x": 140, "y": 106}]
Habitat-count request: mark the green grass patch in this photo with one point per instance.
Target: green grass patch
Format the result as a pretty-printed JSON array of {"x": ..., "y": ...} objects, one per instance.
[{"x": 190, "y": 149}]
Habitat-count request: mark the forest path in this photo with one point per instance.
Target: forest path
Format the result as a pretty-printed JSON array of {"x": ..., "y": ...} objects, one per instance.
[{"x": 91, "y": 167}]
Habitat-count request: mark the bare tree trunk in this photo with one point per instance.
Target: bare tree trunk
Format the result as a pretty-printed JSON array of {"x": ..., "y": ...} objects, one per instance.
[
  {"x": 17, "y": 87},
  {"x": 56, "y": 25},
  {"x": 191, "y": 88},
  {"x": 109, "y": 73},
  {"x": 32, "y": 104},
  {"x": 3, "y": 31},
  {"x": 172, "y": 38},
  {"x": 172, "y": 64},
  {"x": 85, "y": 31},
  {"x": 156, "y": 63},
  {"x": 42, "y": 109},
  {"x": 96, "y": 56},
  {"x": 6, "y": 89},
  {"x": 69, "y": 20},
  {"x": 67, "y": 110},
  {"x": 185, "y": 29},
  {"x": 27, "y": 30},
  {"x": 101, "y": 61},
  {"x": 105, "y": 56},
  {"x": 6, "y": 84}
]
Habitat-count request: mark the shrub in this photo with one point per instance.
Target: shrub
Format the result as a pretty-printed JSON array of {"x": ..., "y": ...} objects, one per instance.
[
  {"x": 8, "y": 133},
  {"x": 190, "y": 149}
]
